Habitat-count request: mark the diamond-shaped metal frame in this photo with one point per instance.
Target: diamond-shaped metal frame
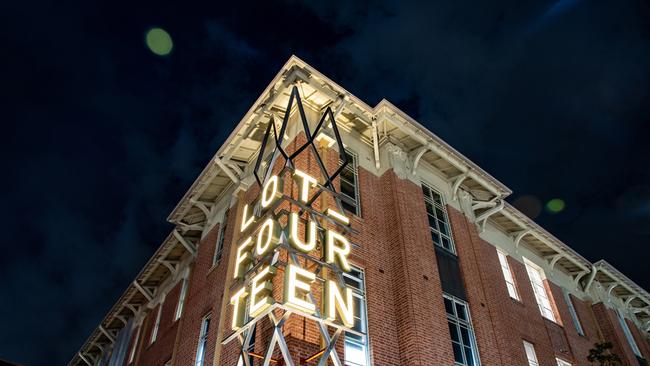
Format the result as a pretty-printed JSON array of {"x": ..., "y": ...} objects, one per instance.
[{"x": 244, "y": 334}]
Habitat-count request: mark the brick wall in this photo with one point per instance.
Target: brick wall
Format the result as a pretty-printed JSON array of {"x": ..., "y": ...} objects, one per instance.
[{"x": 407, "y": 322}]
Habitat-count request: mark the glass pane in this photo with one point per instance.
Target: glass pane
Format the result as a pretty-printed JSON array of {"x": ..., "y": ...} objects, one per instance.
[
  {"x": 453, "y": 332},
  {"x": 347, "y": 188},
  {"x": 449, "y": 306},
  {"x": 440, "y": 214},
  {"x": 464, "y": 332},
  {"x": 435, "y": 237},
  {"x": 446, "y": 243},
  {"x": 458, "y": 352},
  {"x": 432, "y": 222},
  {"x": 443, "y": 227},
  {"x": 460, "y": 310},
  {"x": 429, "y": 207},
  {"x": 426, "y": 191},
  {"x": 355, "y": 353},
  {"x": 469, "y": 356}
]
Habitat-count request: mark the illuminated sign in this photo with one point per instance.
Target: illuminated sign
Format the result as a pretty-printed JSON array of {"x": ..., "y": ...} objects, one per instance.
[
  {"x": 292, "y": 243},
  {"x": 267, "y": 237}
]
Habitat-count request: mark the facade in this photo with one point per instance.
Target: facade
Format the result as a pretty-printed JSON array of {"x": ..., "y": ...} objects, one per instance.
[{"x": 363, "y": 240}]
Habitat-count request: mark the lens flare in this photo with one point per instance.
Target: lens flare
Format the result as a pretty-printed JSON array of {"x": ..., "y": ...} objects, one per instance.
[
  {"x": 556, "y": 205},
  {"x": 159, "y": 41}
]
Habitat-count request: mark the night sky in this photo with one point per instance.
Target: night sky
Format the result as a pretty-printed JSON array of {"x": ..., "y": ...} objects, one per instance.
[{"x": 102, "y": 137}]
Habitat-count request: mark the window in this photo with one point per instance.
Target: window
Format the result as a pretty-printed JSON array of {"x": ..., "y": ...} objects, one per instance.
[
  {"x": 561, "y": 362},
  {"x": 181, "y": 300},
  {"x": 251, "y": 346},
  {"x": 350, "y": 185},
  {"x": 507, "y": 275},
  {"x": 154, "y": 332},
  {"x": 530, "y": 354},
  {"x": 203, "y": 341},
  {"x": 536, "y": 276},
  {"x": 356, "y": 347},
  {"x": 222, "y": 232},
  {"x": 572, "y": 311},
  {"x": 438, "y": 221},
  {"x": 628, "y": 335},
  {"x": 134, "y": 346},
  {"x": 461, "y": 332}
]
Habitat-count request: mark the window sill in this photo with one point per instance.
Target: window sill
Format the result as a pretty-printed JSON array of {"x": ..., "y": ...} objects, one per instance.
[
  {"x": 214, "y": 266},
  {"x": 518, "y": 302}
]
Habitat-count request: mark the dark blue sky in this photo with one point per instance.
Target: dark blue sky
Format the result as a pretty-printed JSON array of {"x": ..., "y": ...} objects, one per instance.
[{"x": 102, "y": 137}]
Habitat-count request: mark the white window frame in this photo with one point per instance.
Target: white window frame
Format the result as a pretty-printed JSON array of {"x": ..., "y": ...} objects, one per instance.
[
  {"x": 156, "y": 326},
  {"x": 359, "y": 294},
  {"x": 573, "y": 313},
  {"x": 218, "y": 249},
  {"x": 531, "y": 355},
  {"x": 536, "y": 276},
  {"x": 507, "y": 275},
  {"x": 134, "y": 347},
  {"x": 181, "y": 298},
  {"x": 459, "y": 323},
  {"x": 440, "y": 218},
  {"x": 199, "y": 360},
  {"x": 561, "y": 362},
  {"x": 352, "y": 166},
  {"x": 628, "y": 334}
]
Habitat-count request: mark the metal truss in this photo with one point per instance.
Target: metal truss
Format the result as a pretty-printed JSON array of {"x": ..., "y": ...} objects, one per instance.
[{"x": 244, "y": 334}]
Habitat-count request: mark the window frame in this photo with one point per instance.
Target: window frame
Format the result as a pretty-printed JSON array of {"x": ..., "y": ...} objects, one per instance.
[
  {"x": 134, "y": 346},
  {"x": 203, "y": 339},
  {"x": 181, "y": 298},
  {"x": 508, "y": 276},
  {"x": 353, "y": 161},
  {"x": 432, "y": 216},
  {"x": 572, "y": 311},
  {"x": 218, "y": 249},
  {"x": 156, "y": 326},
  {"x": 540, "y": 291},
  {"x": 561, "y": 362},
  {"x": 628, "y": 334},
  {"x": 535, "y": 360},
  {"x": 460, "y": 323},
  {"x": 359, "y": 294}
]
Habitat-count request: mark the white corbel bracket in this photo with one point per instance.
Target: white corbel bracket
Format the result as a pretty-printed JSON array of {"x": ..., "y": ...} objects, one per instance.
[
  {"x": 81, "y": 355},
  {"x": 107, "y": 334},
  {"x": 417, "y": 157},
  {"x": 481, "y": 220},
  {"x": 188, "y": 246},
  {"x": 592, "y": 276},
  {"x": 146, "y": 293},
  {"x": 457, "y": 182}
]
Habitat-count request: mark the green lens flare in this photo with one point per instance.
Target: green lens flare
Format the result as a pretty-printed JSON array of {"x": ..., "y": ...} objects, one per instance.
[
  {"x": 556, "y": 205},
  {"x": 159, "y": 41}
]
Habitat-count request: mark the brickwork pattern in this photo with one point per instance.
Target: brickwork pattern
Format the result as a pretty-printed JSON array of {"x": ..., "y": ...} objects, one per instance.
[{"x": 407, "y": 322}]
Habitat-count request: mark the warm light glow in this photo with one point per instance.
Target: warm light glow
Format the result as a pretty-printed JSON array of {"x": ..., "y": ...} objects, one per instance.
[
  {"x": 270, "y": 191},
  {"x": 261, "y": 287},
  {"x": 338, "y": 216},
  {"x": 246, "y": 221},
  {"x": 334, "y": 303},
  {"x": 306, "y": 181},
  {"x": 297, "y": 279},
  {"x": 294, "y": 234},
  {"x": 243, "y": 258},
  {"x": 238, "y": 311},
  {"x": 266, "y": 238},
  {"x": 337, "y": 254}
]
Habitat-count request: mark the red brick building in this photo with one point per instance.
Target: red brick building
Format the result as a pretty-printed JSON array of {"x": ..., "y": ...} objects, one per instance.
[{"x": 442, "y": 270}]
